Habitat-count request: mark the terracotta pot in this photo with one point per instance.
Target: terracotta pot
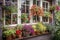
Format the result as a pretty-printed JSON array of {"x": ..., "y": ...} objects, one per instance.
[
  {"x": 9, "y": 38},
  {"x": 13, "y": 36}
]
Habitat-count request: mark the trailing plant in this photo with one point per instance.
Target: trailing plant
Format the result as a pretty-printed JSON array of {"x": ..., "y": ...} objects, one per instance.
[
  {"x": 52, "y": 7},
  {"x": 24, "y": 17},
  {"x": 11, "y": 9},
  {"x": 47, "y": 14},
  {"x": 36, "y": 10}
]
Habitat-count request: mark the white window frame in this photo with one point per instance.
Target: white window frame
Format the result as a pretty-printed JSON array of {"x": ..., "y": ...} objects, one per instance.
[
  {"x": 19, "y": 13},
  {"x": 11, "y": 14},
  {"x": 45, "y": 10}
]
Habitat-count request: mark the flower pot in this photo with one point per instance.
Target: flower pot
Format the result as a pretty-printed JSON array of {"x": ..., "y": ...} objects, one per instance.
[
  {"x": 9, "y": 38},
  {"x": 13, "y": 36}
]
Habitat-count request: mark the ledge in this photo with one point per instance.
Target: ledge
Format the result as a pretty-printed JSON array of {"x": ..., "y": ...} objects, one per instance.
[{"x": 31, "y": 36}]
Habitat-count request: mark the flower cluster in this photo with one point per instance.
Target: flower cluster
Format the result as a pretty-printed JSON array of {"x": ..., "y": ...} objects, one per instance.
[{"x": 36, "y": 10}]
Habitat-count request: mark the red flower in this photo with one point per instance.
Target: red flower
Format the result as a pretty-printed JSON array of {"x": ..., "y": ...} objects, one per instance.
[{"x": 18, "y": 32}]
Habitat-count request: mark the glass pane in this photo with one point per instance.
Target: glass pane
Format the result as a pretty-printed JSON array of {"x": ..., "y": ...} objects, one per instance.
[
  {"x": 59, "y": 3},
  {"x": 14, "y": 0},
  {"x": 14, "y": 19},
  {"x": 8, "y": 3},
  {"x": 36, "y": 18},
  {"x": 23, "y": 9},
  {"x": 27, "y": 9},
  {"x": 7, "y": 0},
  {"x": 45, "y": 19},
  {"x": 7, "y": 18},
  {"x": 38, "y": 3},
  {"x": 27, "y": 2},
  {"x": 44, "y": 5},
  {"x": 23, "y": 2},
  {"x": 34, "y": 1}
]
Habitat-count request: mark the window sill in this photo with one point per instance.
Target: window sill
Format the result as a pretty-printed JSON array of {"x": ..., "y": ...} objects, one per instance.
[{"x": 23, "y": 24}]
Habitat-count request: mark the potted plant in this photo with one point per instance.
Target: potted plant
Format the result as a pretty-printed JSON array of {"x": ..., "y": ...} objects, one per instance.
[
  {"x": 28, "y": 30},
  {"x": 8, "y": 34},
  {"x": 40, "y": 28},
  {"x": 36, "y": 10},
  {"x": 19, "y": 31},
  {"x": 47, "y": 14},
  {"x": 24, "y": 18},
  {"x": 52, "y": 8}
]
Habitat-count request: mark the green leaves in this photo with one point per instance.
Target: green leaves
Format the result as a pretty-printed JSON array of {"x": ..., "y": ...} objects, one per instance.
[
  {"x": 47, "y": 14},
  {"x": 9, "y": 32},
  {"x": 11, "y": 9},
  {"x": 57, "y": 15}
]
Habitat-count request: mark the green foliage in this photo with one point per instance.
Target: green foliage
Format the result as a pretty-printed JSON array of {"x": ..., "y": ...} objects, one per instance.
[
  {"x": 40, "y": 27},
  {"x": 24, "y": 17},
  {"x": 47, "y": 14},
  {"x": 57, "y": 18},
  {"x": 57, "y": 35},
  {"x": 52, "y": 7},
  {"x": 11, "y": 9},
  {"x": 8, "y": 33},
  {"x": 19, "y": 26}
]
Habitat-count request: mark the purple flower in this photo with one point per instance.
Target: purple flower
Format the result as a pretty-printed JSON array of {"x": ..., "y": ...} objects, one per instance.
[{"x": 28, "y": 28}]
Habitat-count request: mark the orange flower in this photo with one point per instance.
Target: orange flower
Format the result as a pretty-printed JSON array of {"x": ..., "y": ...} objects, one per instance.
[{"x": 35, "y": 10}]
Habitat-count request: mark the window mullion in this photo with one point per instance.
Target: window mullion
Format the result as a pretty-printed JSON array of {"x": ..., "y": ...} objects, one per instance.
[{"x": 11, "y": 18}]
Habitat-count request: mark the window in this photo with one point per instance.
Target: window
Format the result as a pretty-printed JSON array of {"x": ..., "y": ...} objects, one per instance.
[
  {"x": 25, "y": 10},
  {"x": 46, "y": 9},
  {"x": 59, "y": 3},
  {"x": 36, "y": 18},
  {"x": 46, "y": 5},
  {"x": 10, "y": 18},
  {"x": 37, "y": 2},
  {"x": 45, "y": 19}
]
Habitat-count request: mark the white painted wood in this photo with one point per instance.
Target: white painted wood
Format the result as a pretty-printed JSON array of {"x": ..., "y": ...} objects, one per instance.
[
  {"x": 4, "y": 12},
  {"x": 31, "y": 18},
  {"x": 41, "y": 7},
  {"x": 19, "y": 11}
]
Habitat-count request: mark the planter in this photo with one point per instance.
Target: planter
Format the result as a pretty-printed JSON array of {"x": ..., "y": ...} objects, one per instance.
[
  {"x": 37, "y": 37},
  {"x": 9, "y": 38}
]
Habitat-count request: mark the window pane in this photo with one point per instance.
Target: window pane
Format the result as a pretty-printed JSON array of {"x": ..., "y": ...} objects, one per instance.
[
  {"x": 27, "y": 2},
  {"x": 8, "y": 3},
  {"x": 27, "y": 9},
  {"x": 46, "y": 5},
  {"x": 14, "y": 19},
  {"x": 14, "y": 0},
  {"x": 36, "y": 18},
  {"x": 7, "y": 0},
  {"x": 23, "y": 9},
  {"x": 45, "y": 19},
  {"x": 7, "y": 18},
  {"x": 38, "y": 3},
  {"x": 59, "y": 2},
  {"x": 43, "y": 4},
  {"x": 23, "y": 2},
  {"x": 34, "y": 1}
]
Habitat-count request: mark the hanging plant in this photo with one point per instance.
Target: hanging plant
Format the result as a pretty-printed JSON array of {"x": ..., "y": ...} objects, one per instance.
[
  {"x": 52, "y": 7},
  {"x": 11, "y": 9},
  {"x": 35, "y": 10},
  {"x": 24, "y": 17},
  {"x": 47, "y": 14}
]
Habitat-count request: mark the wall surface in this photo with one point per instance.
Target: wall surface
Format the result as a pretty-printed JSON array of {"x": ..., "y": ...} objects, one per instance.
[{"x": 0, "y": 23}]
